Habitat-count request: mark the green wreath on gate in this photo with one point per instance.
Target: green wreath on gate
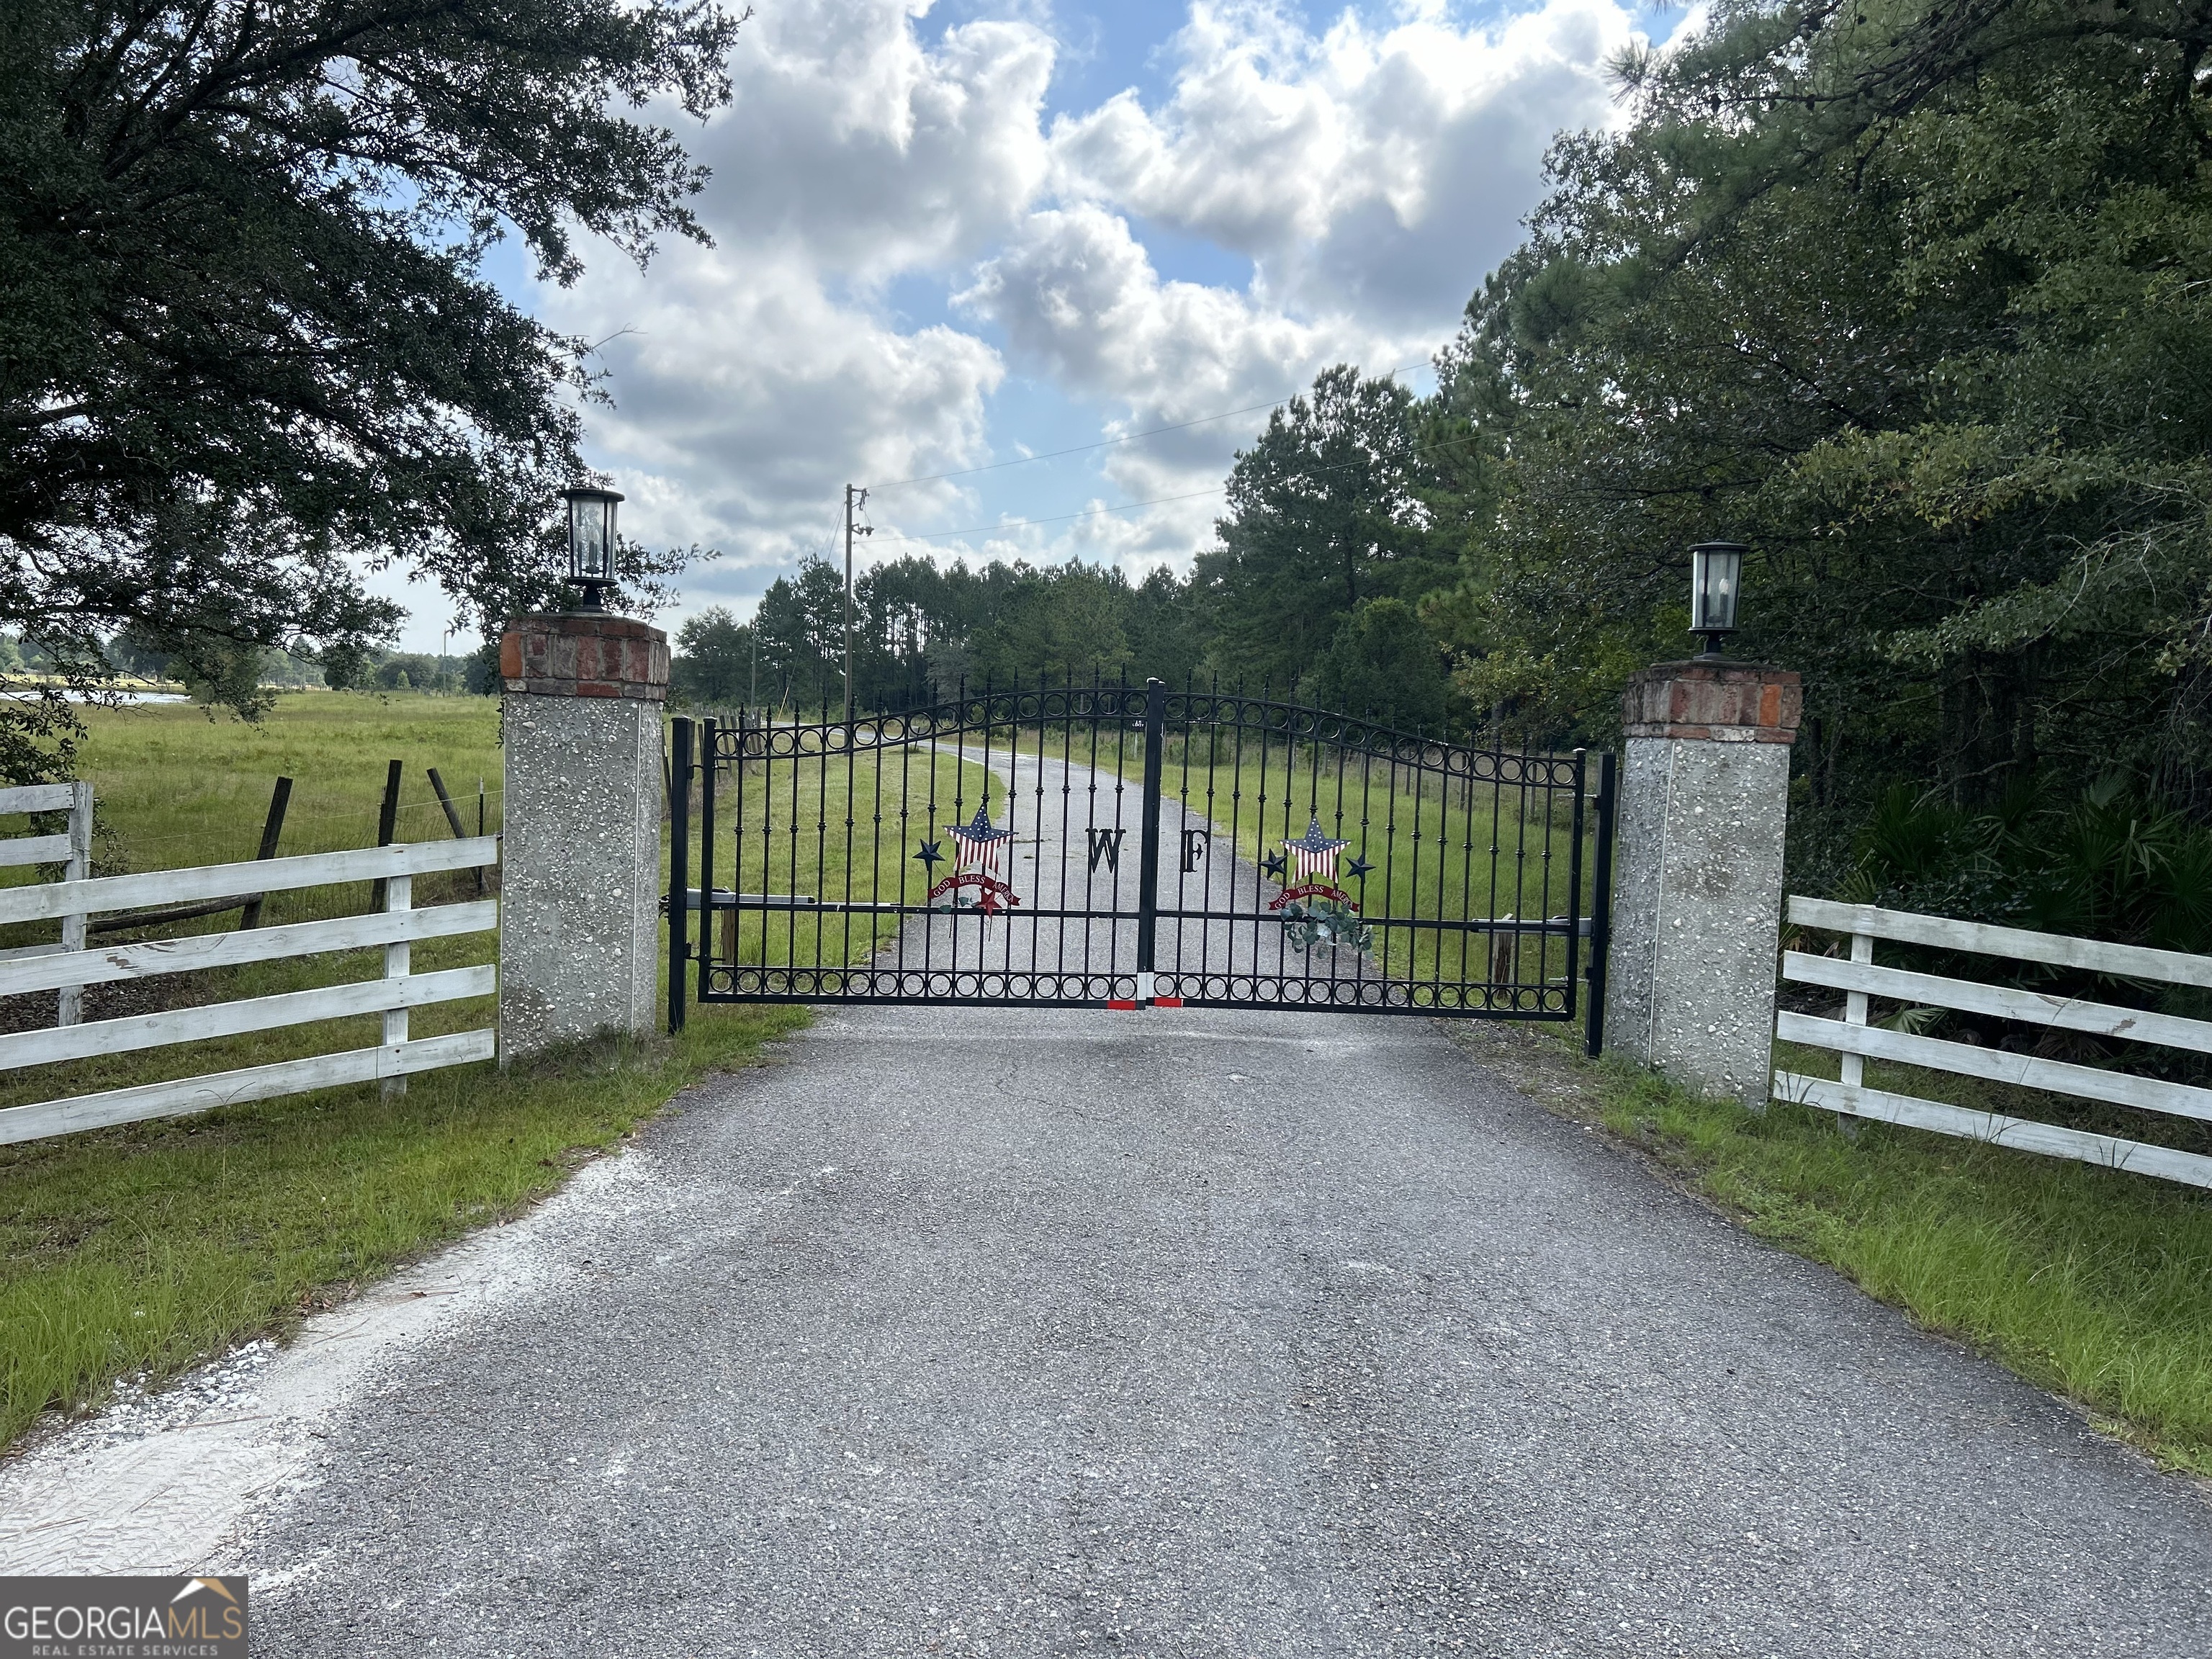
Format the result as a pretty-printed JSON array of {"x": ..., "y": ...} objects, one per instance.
[{"x": 1324, "y": 922}]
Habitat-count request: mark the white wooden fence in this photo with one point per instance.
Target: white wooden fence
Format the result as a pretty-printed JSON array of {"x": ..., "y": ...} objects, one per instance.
[
  {"x": 395, "y": 928},
  {"x": 71, "y": 850},
  {"x": 1857, "y": 1042}
]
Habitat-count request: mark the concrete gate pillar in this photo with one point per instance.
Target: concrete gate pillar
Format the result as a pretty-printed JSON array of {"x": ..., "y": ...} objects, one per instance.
[
  {"x": 1697, "y": 909},
  {"x": 581, "y": 856}
]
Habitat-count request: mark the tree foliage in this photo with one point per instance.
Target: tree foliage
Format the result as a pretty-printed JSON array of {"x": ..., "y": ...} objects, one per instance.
[
  {"x": 1914, "y": 300},
  {"x": 249, "y": 347}
]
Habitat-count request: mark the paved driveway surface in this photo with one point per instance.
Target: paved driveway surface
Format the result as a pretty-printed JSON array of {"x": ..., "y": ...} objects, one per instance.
[{"x": 1181, "y": 1334}]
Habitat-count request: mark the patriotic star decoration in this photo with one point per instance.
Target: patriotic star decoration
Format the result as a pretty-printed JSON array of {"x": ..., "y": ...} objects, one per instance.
[
  {"x": 1314, "y": 855},
  {"x": 979, "y": 842}
]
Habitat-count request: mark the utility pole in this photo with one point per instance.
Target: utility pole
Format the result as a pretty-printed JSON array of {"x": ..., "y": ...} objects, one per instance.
[{"x": 854, "y": 498}]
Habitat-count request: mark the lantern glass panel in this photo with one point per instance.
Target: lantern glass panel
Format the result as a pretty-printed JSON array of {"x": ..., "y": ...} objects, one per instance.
[
  {"x": 1716, "y": 578},
  {"x": 591, "y": 535}
]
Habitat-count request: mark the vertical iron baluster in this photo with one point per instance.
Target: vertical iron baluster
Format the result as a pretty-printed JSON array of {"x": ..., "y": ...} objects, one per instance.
[
  {"x": 1575, "y": 885},
  {"x": 1148, "y": 872},
  {"x": 1520, "y": 873},
  {"x": 1182, "y": 830},
  {"x": 1089, "y": 868},
  {"x": 1206, "y": 888},
  {"x": 852, "y": 776},
  {"x": 1067, "y": 695},
  {"x": 1235, "y": 843},
  {"x": 1390, "y": 860},
  {"x": 820, "y": 835},
  {"x": 1497, "y": 810},
  {"x": 1466, "y": 864},
  {"x": 1336, "y": 832},
  {"x": 710, "y": 730},
  {"x": 679, "y": 873},
  {"x": 1368, "y": 761},
  {"x": 905, "y": 819}
]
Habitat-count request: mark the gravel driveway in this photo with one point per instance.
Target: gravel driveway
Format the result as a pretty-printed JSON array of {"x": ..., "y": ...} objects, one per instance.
[{"x": 1178, "y": 1334}]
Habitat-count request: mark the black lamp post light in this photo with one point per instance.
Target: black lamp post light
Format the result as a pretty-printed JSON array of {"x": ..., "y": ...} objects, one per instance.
[
  {"x": 592, "y": 542},
  {"x": 1716, "y": 580}
]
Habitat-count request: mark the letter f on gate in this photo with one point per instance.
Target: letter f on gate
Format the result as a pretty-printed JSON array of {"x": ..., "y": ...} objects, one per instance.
[{"x": 1106, "y": 844}]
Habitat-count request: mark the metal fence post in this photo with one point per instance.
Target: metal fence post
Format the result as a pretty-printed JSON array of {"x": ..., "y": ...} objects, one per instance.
[
  {"x": 1600, "y": 907},
  {"x": 679, "y": 872}
]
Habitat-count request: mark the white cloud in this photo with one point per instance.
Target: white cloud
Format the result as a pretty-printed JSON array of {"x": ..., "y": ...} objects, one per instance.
[
  {"x": 1381, "y": 172},
  {"x": 1370, "y": 173}
]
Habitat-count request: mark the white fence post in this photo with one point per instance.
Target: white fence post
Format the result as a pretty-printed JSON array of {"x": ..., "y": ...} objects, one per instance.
[
  {"x": 1855, "y": 1011},
  {"x": 78, "y": 868},
  {"x": 398, "y": 958}
]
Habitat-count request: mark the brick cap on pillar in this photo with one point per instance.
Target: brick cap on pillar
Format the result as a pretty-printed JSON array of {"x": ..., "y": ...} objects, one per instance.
[
  {"x": 585, "y": 655},
  {"x": 1717, "y": 702}
]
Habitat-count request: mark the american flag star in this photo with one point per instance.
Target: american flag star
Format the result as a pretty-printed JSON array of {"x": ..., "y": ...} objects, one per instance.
[
  {"x": 978, "y": 843},
  {"x": 1314, "y": 857}
]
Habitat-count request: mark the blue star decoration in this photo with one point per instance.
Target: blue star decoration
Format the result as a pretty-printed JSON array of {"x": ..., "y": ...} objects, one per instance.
[
  {"x": 929, "y": 854},
  {"x": 1359, "y": 866},
  {"x": 979, "y": 830},
  {"x": 1274, "y": 865}
]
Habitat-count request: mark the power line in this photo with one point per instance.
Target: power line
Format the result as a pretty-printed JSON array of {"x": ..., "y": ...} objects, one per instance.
[{"x": 1104, "y": 443}]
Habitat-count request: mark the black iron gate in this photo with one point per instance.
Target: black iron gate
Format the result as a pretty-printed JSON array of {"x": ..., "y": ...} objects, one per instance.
[{"x": 1116, "y": 846}]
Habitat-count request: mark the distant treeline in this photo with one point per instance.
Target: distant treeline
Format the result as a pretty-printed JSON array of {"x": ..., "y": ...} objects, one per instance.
[{"x": 371, "y": 669}]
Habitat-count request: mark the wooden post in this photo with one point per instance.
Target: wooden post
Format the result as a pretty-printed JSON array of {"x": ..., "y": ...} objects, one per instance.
[
  {"x": 399, "y": 893},
  {"x": 70, "y": 1010},
  {"x": 1855, "y": 1011},
  {"x": 272, "y": 831},
  {"x": 387, "y": 822},
  {"x": 453, "y": 818}
]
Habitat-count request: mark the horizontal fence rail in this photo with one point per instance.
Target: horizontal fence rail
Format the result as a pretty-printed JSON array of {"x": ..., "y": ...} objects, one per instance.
[
  {"x": 236, "y": 880},
  {"x": 1856, "y": 1041},
  {"x": 394, "y": 928}
]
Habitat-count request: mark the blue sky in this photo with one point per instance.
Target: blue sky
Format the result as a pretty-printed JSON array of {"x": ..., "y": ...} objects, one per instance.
[{"x": 949, "y": 235}]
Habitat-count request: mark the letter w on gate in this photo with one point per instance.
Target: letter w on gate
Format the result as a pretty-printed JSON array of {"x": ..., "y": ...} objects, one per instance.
[{"x": 1106, "y": 844}]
